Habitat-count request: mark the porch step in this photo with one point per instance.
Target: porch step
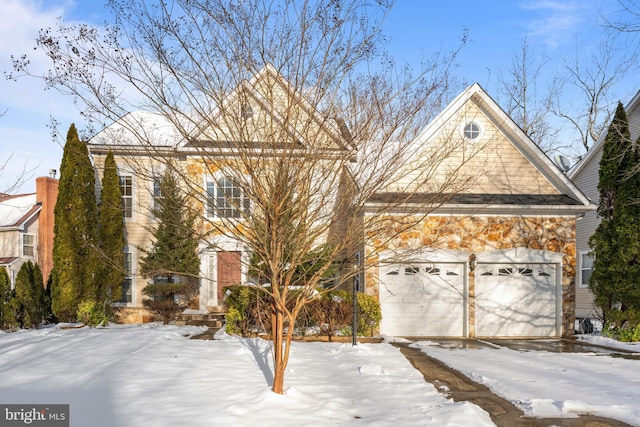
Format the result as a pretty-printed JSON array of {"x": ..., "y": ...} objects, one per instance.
[{"x": 213, "y": 320}]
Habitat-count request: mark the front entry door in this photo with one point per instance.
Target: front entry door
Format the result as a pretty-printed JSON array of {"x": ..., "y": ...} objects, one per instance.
[{"x": 229, "y": 271}]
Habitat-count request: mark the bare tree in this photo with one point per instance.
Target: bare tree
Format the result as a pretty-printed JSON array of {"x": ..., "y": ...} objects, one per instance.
[
  {"x": 293, "y": 105},
  {"x": 593, "y": 77},
  {"x": 626, "y": 19},
  {"x": 528, "y": 103}
]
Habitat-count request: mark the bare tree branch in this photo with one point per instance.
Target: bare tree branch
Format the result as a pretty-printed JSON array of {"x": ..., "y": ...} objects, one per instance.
[
  {"x": 530, "y": 105},
  {"x": 593, "y": 77}
]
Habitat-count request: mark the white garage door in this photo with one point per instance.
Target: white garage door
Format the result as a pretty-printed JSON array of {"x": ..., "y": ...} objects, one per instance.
[
  {"x": 422, "y": 299},
  {"x": 516, "y": 300}
]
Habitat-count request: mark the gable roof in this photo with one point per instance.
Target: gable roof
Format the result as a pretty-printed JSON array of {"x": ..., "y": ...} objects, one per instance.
[
  {"x": 16, "y": 210},
  {"x": 560, "y": 194},
  {"x": 272, "y": 94},
  {"x": 592, "y": 154},
  {"x": 139, "y": 129}
]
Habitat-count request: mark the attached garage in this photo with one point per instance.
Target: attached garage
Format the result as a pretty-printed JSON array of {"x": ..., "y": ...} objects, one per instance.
[
  {"x": 514, "y": 293},
  {"x": 423, "y": 299}
]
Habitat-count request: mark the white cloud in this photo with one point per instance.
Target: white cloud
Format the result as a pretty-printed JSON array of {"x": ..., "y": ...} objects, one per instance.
[
  {"x": 20, "y": 21},
  {"x": 26, "y": 105},
  {"x": 557, "y": 21}
]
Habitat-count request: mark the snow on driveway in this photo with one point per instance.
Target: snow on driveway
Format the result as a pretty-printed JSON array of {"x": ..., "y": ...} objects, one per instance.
[
  {"x": 155, "y": 375},
  {"x": 546, "y": 384}
]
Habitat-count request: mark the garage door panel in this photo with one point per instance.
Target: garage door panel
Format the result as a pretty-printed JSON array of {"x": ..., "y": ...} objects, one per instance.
[
  {"x": 422, "y": 300},
  {"x": 516, "y": 300}
]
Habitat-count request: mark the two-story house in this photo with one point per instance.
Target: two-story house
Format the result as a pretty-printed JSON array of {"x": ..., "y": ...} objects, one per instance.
[
  {"x": 273, "y": 123},
  {"x": 495, "y": 257}
]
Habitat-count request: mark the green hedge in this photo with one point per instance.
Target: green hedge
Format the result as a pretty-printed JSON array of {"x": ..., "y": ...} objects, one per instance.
[{"x": 330, "y": 313}]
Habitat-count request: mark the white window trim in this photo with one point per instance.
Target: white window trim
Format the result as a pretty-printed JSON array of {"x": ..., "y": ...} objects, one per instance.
[
  {"x": 213, "y": 178},
  {"x": 125, "y": 171},
  {"x": 33, "y": 245},
  {"x": 158, "y": 172},
  {"x": 133, "y": 276},
  {"x": 580, "y": 284},
  {"x": 152, "y": 192},
  {"x": 467, "y": 123}
]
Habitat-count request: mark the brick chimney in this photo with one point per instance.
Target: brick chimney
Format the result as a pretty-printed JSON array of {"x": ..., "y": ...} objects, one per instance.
[{"x": 46, "y": 194}]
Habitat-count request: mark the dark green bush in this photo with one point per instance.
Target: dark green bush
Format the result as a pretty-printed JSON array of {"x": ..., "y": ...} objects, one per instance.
[
  {"x": 329, "y": 314},
  {"x": 167, "y": 299}
]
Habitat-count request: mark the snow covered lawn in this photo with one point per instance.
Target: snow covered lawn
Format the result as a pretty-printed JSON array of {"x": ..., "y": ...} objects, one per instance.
[
  {"x": 154, "y": 375},
  {"x": 545, "y": 384}
]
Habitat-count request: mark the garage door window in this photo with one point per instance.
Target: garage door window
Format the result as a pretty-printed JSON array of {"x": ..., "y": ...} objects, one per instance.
[
  {"x": 434, "y": 271},
  {"x": 543, "y": 273},
  {"x": 505, "y": 271},
  {"x": 525, "y": 271},
  {"x": 409, "y": 271}
]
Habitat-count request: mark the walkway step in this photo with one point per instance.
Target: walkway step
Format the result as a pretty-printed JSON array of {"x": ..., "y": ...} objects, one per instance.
[{"x": 208, "y": 335}]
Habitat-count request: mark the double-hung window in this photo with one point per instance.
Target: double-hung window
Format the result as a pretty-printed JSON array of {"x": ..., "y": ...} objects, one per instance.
[
  {"x": 126, "y": 190},
  {"x": 127, "y": 284},
  {"x": 157, "y": 193},
  {"x": 586, "y": 267},
  {"x": 28, "y": 245},
  {"x": 225, "y": 198}
]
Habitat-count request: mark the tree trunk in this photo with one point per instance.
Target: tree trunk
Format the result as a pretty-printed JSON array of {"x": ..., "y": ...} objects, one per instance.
[{"x": 279, "y": 364}]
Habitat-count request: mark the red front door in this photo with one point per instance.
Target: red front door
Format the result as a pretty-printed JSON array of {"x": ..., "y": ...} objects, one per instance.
[{"x": 229, "y": 269}]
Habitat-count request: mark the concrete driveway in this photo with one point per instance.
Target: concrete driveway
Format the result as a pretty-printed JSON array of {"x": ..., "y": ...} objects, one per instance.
[
  {"x": 561, "y": 345},
  {"x": 503, "y": 413}
]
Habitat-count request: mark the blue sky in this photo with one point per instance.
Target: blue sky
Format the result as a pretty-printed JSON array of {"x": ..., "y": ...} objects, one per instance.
[{"x": 495, "y": 28}]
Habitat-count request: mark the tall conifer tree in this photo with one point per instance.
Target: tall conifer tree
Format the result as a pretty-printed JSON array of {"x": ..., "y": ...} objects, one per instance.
[
  {"x": 75, "y": 241},
  {"x": 111, "y": 236},
  {"x": 7, "y": 311},
  {"x": 616, "y": 242},
  {"x": 172, "y": 262},
  {"x": 29, "y": 295}
]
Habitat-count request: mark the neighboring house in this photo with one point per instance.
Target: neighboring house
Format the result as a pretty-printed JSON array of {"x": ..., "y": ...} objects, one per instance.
[
  {"x": 26, "y": 228},
  {"x": 497, "y": 258},
  {"x": 585, "y": 174},
  {"x": 223, "y": 261}
]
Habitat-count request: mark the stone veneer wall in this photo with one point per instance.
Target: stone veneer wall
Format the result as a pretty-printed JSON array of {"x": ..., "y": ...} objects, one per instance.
[{"x": 476, "y": 234}]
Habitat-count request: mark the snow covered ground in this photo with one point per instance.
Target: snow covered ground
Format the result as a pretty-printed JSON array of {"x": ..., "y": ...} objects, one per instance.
[
  {"x": 134, "y": 375},
  {"x": 154, "y": 375},
  {"x": 545, "y": 384}
]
